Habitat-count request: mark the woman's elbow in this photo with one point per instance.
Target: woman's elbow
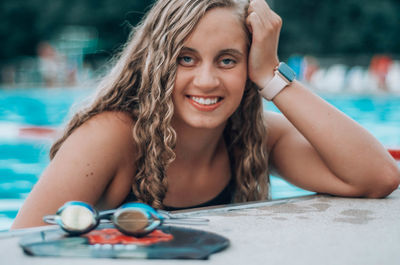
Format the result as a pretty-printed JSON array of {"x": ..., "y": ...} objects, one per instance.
[{"x": 388, "y": 181}]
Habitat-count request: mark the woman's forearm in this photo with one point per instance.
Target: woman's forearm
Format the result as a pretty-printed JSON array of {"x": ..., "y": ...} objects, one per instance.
[
  {"x": 349, "y": 152},
  {"x": 347, "y": 149}
]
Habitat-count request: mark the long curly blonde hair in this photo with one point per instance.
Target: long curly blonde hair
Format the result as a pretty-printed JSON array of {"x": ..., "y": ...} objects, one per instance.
[{"x": 141, "y": 83}]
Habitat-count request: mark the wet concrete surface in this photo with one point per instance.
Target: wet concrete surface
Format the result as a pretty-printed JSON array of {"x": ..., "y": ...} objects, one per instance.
[{"x": 309, "y": 230}]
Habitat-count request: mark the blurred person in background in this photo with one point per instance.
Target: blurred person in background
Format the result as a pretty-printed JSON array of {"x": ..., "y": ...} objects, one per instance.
[
  {"x": 51, "y": 65},
  {"x": 379, "y": 68}
]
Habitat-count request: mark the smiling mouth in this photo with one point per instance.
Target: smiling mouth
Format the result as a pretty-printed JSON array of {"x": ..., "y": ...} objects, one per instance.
[{"x": 206, "y": 101}]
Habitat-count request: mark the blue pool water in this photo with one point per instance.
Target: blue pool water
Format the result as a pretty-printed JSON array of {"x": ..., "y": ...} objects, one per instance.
[{"x": 23, "y": 157}]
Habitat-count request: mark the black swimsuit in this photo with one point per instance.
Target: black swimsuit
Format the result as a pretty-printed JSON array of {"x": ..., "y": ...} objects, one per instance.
[{"x": 224, "y": 197}]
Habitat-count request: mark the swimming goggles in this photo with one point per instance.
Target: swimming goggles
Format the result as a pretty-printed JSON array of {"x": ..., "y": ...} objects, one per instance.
[{"x": 134, "y": 219}]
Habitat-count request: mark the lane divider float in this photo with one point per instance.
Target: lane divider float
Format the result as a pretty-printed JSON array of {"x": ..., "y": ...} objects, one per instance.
[{"x": 43, "y": 132}]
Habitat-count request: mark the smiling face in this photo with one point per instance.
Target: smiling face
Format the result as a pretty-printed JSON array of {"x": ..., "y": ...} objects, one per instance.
[{"x": 212, "y": 71}]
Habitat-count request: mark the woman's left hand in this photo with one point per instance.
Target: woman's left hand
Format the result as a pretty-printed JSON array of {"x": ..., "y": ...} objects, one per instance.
[{"x": 265, "y": 26}]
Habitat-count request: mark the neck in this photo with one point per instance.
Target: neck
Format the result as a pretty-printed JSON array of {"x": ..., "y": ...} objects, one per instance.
[{"x": 198, "y": 145}]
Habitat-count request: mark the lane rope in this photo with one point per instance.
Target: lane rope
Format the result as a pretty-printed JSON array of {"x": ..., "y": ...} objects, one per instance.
[{"x": 48, "y": 132}]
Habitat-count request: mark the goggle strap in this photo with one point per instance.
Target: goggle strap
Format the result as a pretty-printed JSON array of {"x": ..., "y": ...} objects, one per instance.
[
  {"x": 51, "y": 219},
  {"x": 186, "y": 221},
  {"x": 107, "y": 214}
]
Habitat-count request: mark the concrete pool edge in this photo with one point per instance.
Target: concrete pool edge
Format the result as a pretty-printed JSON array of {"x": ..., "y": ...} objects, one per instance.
[
  {"x": 315, "y": 229},
  {"x": 240, "y": 206}
]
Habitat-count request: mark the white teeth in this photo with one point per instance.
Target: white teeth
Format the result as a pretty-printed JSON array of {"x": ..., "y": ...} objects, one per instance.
[{"x": 205, "y": 101}]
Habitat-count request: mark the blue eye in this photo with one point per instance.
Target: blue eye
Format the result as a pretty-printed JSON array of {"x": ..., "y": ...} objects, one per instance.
[
  {"x": 185, "y": 60},
  {"x": 227, "y": 61}
]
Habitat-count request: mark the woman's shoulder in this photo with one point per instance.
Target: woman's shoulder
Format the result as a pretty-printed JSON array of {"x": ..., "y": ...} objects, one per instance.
[
  {"x": 277, "y": 126},
  {"x": 105, "y": 144},
  {"x": 112, "y": 128},
  {"x": 110, "y": 123},
  {"x": 109, "y": 131},
  {"x": 121, "y": 120}
]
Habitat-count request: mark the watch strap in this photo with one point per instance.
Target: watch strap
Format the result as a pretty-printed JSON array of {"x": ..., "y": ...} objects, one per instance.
[{"x": 274, "y": 86}]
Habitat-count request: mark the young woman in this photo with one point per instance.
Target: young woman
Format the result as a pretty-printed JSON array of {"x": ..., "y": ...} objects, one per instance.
[{"x": 179, "y": 122}]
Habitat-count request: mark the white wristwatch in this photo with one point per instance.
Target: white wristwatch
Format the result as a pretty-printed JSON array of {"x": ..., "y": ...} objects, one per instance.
[{"x": 284, "y": 75}]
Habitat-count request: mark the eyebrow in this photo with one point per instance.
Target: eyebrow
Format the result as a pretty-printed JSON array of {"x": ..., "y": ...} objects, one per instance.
[
  {"x": 187, "y": 49},
  {"x": 232, "y": 51},
  {"x": 224, "y": 51}
]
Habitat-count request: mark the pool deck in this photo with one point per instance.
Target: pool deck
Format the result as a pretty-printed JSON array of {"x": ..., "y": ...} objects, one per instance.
[{"x": 306, "y": 230}]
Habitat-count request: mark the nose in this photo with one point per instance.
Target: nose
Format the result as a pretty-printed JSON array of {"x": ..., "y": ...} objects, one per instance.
[{"x": 206, "y": 77}]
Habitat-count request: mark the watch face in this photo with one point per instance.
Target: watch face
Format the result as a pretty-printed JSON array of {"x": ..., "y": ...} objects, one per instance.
[{"x": 287, "y": 72}]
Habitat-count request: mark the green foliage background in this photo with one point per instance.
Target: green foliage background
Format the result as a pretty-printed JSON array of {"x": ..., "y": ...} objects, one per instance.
[
  {"x": 317, "y": 27},
  {"x": 340, "y": 27}
]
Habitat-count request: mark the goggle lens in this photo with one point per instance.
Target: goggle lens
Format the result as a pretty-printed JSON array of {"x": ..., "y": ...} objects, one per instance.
[
  {"x": 132, "y": 220},
  {"x": 77, "y": 218}
]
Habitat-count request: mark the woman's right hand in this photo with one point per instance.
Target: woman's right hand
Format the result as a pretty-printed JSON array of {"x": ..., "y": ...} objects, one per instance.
[{"x": 265, "y": 26}]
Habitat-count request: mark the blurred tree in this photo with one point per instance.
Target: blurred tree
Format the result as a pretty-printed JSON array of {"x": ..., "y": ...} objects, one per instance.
[
  {"x": 24, "y": 23},
  {"x": 339, "y": 27},
  {"x": 329, "y": 27}
]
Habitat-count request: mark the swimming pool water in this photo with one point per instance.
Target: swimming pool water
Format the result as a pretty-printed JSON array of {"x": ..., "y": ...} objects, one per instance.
[{"x": 23, "y": 157}]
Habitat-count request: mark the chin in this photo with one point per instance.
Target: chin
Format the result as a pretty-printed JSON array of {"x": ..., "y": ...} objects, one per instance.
[
  {"x": 202, "y": 122},
  {"x": 207, "y": 125}
]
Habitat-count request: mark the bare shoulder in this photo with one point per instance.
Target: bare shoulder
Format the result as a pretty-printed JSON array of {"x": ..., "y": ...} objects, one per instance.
[
  {"x": 111, "y": 137},
  {"x": 94, "y": 164},
  {"x": 277, "y": 126},
  {"x": 101, "y": 152},
  {"x": 110, "y": 122},
  {"x": 107, "y": 132},
  {"x": 108, "y": 142},
  {"x": 113, "y": 127}
]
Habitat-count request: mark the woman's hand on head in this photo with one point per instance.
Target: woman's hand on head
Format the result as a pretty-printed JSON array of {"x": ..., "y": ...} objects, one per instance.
[{"x": 265, "y": 26}]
